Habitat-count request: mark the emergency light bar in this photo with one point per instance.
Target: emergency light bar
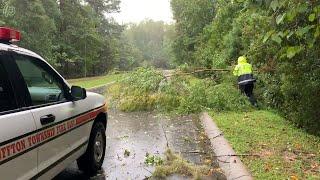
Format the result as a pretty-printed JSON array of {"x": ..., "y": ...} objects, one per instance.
[{"x": 9, "y": 35}]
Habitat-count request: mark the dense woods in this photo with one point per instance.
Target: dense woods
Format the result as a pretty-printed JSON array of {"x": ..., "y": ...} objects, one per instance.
[
  {"x": 154, "y": 40},
  {"x": 280, "y": 38},
  {"x": 79, "y": 38},
  {"x": 74, "y": 36}
]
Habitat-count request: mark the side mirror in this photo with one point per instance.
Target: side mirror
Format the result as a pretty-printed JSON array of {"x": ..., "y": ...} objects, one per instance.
[{"x": 78, "y": 93}]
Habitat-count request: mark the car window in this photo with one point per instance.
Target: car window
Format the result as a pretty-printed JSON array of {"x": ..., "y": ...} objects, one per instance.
[
  {"x": 43, "y": 86},
  {"x": 7, "y": 100}
]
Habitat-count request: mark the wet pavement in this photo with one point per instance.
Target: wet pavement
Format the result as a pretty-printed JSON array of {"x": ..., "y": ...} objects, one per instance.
[
  {"x": 144, "y": 132},
  {"x": 140, "y": 133}
]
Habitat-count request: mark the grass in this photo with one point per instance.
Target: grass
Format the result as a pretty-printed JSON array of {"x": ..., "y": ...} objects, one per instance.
[
  {"x": 95, "y": 81},
  {"x": 285, "y": 151}
]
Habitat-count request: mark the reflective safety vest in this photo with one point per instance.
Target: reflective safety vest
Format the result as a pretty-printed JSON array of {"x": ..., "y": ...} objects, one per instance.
[{"x": 244, "y": 72}]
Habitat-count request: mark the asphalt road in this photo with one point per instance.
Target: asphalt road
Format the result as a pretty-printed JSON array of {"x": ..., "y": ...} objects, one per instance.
[
  {"x": 146, "y": 132},
  {"x": 141, "y": 133}
]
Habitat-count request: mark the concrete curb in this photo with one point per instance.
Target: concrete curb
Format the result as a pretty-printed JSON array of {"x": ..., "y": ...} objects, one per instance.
[{"x": 228, "y": 162}]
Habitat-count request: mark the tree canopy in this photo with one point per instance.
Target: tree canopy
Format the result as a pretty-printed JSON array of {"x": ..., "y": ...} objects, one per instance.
[
  {"x": 73, "y": 35},
  {"x": 154, "y": 40},
  {"x": 280, "y": 38}
]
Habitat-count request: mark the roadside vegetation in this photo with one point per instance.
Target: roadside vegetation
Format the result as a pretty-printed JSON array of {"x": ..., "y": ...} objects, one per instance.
[
  {"x": 275, "y": 148},
  {"x": 281, "y": 38},
  {"x": 96, "y": 81},
  {"x": 148, "y": 89}
]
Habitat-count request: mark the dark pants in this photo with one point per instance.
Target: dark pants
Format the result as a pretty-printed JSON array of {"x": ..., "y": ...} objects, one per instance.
[{"x": 248, "y": 91}]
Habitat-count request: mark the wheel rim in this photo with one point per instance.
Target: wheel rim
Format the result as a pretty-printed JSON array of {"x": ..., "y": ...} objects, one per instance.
[{"x": 98, "y": 147}]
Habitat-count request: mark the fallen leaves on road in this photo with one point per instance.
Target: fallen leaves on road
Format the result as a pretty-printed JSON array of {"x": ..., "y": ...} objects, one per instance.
[
  {"x": 126, "y": 153},
  {"x": 214, "y": 171},
  {"x": 153, "y": 160},
  {"x": 123, "y": 137},
  {"x": 175, "y": 164}
]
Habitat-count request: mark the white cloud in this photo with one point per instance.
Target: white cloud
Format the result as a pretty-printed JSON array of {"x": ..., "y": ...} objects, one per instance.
[{"x": 138, "y": 10}]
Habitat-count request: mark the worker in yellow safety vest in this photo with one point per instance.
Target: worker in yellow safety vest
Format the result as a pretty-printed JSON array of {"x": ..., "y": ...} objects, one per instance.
[{"x": 245, "y": 78}]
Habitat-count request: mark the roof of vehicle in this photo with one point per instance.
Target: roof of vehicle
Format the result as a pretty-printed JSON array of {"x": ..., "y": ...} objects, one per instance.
[{"x": 15, "y": 48}]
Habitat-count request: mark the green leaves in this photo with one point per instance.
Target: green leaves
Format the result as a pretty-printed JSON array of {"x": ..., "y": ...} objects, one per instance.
[
  {"x": 267, "y": 36},
  {"x": 291, "y": 15},
  {"x": 312, "y": 17},
  {"x": 152, "y": 39},
  {"x": 317, "y": 33},
  {"x": 303, "y": 30},
  {"x": 293, "y": 51},
  {"x": 280, "y": 18},
  {"x": 274, "y": 5},
  {"x": 70, "y": 35},
  {"x": 289, "y": 34},
  {"x": 276, "y": 38},
  {"x": 192, "y": 17},
  {"x": 302, "y": 8},
  {"x": 152, "y": 160}
]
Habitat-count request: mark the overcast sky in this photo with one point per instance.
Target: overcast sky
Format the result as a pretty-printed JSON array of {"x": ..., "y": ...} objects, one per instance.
[{"x": 138, "y": 10}]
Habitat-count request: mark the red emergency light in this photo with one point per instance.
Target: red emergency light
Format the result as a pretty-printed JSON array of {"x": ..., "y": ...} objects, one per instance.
[{"x": 9, "y": 35}]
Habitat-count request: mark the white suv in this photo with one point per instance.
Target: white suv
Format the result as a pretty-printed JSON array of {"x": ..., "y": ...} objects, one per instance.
[{"x": 44, "y": 123}]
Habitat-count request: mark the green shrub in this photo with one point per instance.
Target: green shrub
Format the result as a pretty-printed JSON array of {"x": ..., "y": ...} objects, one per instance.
[
  {"x": 282, "y": 41},
  {"x": 225, "y": 97},
  {"x": 135, "y": 102},
  {"x": 145, "y": 80},
  {"x": 138, "y": 91},
  {"x": 195, "y": 100},
  {"x": 171, "y": 93}
]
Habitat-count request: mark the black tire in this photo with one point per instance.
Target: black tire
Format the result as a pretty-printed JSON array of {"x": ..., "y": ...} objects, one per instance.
[{"x": 88, "y": 163}]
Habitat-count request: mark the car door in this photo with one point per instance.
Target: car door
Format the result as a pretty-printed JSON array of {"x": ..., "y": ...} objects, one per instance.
[
  {"x": 57, "y": 119},
  {"x": 18, "y": 158}
]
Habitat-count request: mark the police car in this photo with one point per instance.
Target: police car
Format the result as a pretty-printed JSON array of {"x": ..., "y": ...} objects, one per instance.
[{"x": 45, "y": 124}]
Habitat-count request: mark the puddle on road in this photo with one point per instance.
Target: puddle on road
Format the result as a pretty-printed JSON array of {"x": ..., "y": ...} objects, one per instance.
[{"x": 140, "y": 133}]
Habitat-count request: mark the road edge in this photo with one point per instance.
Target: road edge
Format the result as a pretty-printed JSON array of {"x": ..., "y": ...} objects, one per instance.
[
  {"x": 226, "y": 156},
  {"x": 100, "y": 86}
]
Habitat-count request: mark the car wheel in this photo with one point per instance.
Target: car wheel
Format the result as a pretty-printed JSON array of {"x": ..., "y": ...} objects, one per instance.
[{"x": 91, "y": 162}]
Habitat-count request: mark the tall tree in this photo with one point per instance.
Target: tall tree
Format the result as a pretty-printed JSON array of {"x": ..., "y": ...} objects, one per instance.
[
  {"x": 280, "y": 38},
  {"x": 104, "y": 6},
  {"x": 36, "y": 26},
  {"x": 191, "y": 17},
  {"x": 151, "y": 37},
  {"x": 73, "y": 35}
]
